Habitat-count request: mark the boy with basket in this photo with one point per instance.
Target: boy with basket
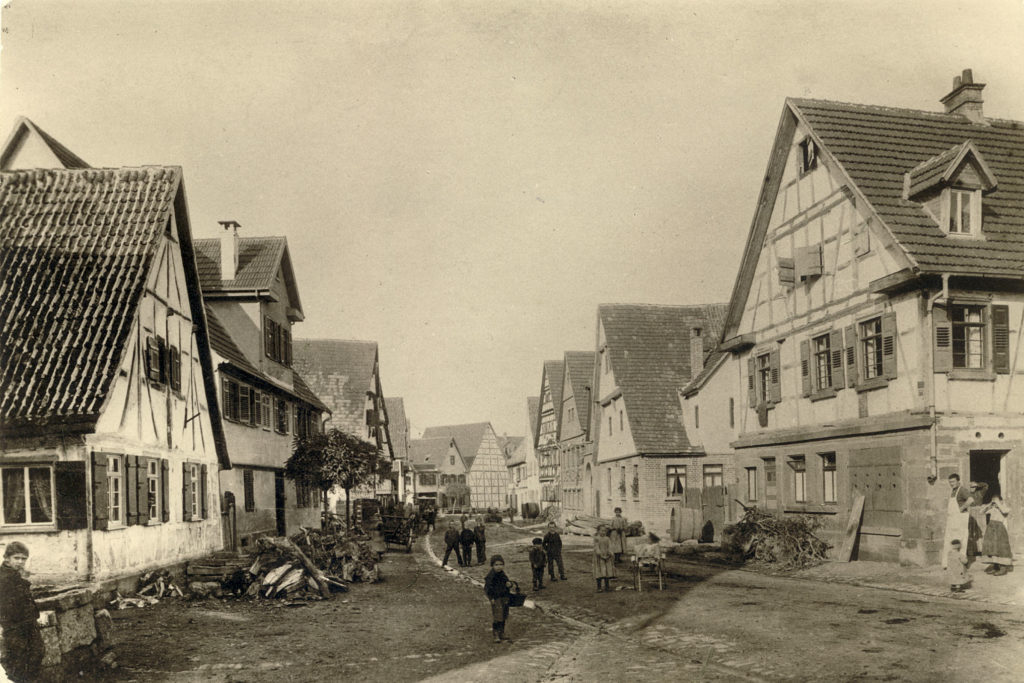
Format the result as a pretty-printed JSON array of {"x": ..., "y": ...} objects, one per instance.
[{"x": 502, "y": 593}]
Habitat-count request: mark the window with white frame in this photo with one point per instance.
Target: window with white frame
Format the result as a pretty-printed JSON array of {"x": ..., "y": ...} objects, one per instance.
[
  {"x": 712, "y": 475},
  {"x": 115, "y": 489},
  {"x": 822, "y": 362},
  {"x": 195, "y": 486},
  {"x": 968, "y": 336},
  {"x": 751, "y": 483},
  {"x": 675, "y": 481},
  {"x": 26, "y": 495},
  {"x": 960, "y": 210},
  {"x": 828, "y": 477},
  {"x": 764, "y": 377},
  {"x": 153, "y": 490},
  {"x": 799, "y": 467},
  {"x": 871, "y": 348}
]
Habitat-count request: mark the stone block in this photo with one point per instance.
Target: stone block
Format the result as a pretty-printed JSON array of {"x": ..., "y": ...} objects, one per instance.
[
  {"x": 51, "y": 646},
  {"x": 104, "y": 629},
  {"x": 77, "y": 628},
  {"x": 66, "y": 600}
]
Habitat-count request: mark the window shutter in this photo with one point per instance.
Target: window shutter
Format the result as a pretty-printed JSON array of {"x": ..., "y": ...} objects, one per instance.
[
  {"x": 889, "y": 345},
  {"x": 787, "y": 271},
  {"x": 807, "y": 262},
  {"x": 751, "y": 389},
  {"x": 69, "y": 482},
  {"x": 805, "y": 367},
  {"x": 152, "y": 359},
  {"x": 287, "y": 346},
  {"x": 268, "y": 336},
  {"x": 143, "y": 489},
  {"x": 186, "y": 498},
  {"x": 943, "y": 334},
  {"x": 175, "y": 368},
  {"x": 248, "y": 491},
  {"x": 165, "y": 490},
  {"x": 202, "y": 491},
  {"x": 775, "y": 383},
  {"x": 243, "y": 403},
  {"x": 1001, "y": 338},
  {"x": 851, "y": 356},
  {"x": 131, "y": 489},
  {"x": 835, "y": 346},
  {"x": 161, "y": 346},
  {"x": 100, "y": 496}
]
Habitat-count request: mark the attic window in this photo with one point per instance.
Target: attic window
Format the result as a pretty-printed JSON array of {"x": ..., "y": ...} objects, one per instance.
[
  {"x": 961, "y": 209},
  {"x": 808, "y": 155}
]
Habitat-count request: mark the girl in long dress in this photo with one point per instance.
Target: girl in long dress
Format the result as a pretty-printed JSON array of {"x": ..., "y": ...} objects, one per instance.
[
  {"x": 618, "y": 534},
  {"x": 604, "y": 564},
  {"x": 996, "y": 551}
]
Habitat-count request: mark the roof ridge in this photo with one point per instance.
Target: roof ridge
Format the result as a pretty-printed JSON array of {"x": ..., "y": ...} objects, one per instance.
[{"x": 904, "y": 110}]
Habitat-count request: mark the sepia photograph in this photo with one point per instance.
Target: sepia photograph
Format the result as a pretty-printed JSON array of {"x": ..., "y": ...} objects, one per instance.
[{"x": 565, "y": 341}]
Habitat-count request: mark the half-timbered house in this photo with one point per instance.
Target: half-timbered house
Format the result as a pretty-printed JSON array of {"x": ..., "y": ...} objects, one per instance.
[
  {"x": 575, "y": 448},
  {"x": 486, "y": 473},
  {"x": 546, "y": 443},
  {"x": 437, "y": 463}
]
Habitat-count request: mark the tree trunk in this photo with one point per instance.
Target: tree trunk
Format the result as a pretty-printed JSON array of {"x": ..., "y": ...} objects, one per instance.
[{"x": 348, "y": 518}]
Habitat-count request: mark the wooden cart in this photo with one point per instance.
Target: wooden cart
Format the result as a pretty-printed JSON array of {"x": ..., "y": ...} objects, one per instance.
[
  {"x": 653, "y": 566},
  {"x": 398, "y": 530}
]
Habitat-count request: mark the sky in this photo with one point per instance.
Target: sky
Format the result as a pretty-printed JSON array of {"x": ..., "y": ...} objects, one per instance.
[{"x": 464, "y": 182}]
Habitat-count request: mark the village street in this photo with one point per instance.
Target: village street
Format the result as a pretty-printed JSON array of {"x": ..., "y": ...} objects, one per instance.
[{"x": 710, "y": 623}]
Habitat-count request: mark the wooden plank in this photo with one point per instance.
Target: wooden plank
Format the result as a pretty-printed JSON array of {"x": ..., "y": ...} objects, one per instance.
[{"x": 852, "y": 525}]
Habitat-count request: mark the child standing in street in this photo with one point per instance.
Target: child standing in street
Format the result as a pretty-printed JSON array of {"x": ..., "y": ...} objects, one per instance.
[
  {"x": 468, "y": 539},
  {"x": 498, "y": 589},
  {"x": 604, "y": 559},
  {"x": 617, "y": 535},
  {"x": 537, "y": 562},
  {"x": 451, "y": 542},
  {"x": 480, "y": 533},
  {"x": 22, "y": 649},
  {"x": 553, "y": 548},
  {"x": 957, "y": 568}
]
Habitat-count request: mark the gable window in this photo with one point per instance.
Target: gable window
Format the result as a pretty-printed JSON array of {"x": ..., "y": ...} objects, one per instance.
[
  {"x": 828, "y": 477},
  {"x": 26, "y": 495},
  {"x": 960, "y": 211},
  {"x": 571, "y": 414},
  {"x": 115, "y": 489},
  {"x": 621, "y": 421},
  {"x": 732, "y": 412},
  {"x": 751, "y": 483},
  {"x": 696, "y": 417},
  {"x": 675, "y": 480},
  {"x": 451, "y": 459},
  {"x": 277, "y": 341},
  {"x": 799, "y": 467},
  {"x": 763, "y": 378},
  {"x": 156, "y": 359},
  {"x": 808, "y": 155},
  {"x": 609, "y": 425}
]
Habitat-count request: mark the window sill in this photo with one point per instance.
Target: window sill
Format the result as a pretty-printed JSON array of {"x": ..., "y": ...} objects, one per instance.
[
  {"x": 973, "y": 236},
  {"x": 872, "y": 384},
  {"x": 823, "y": 394},
  {"x": 811, "y": 509},
  {"x": 24, "y": 529},
  {"x": 972, "y": 374}
]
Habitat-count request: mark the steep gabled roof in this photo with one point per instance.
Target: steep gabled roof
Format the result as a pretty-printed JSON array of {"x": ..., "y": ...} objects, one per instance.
[
  {"x": 649, "y": 351},
  {"x": 76, "y": 250},
  {"x": 259, "y": 260},
  {"x": 579, "y": 366},
  {"x": 340, "y": 372},
  {"x": 24, "y": 127},
  {"x": 468, "y": 438},
  {"x": 430, "y": 452},
  {"x": 552, "y": 374},
  {"x": 399, "y": 426},
  {"x": 533, "y": 414}
]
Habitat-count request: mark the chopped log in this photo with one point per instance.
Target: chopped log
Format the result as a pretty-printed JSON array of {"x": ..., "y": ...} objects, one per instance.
[
  {"x": 274, "y": 575},
  {"x": 314, "y": 571}
]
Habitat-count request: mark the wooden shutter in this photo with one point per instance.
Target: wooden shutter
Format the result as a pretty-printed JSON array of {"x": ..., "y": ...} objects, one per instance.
[
  {"x": 807, "y": 262},
  {"x": 69, "y": 482},
  {"x": 751, "y": 388},
  {"x": 775, "y": 376},
  {"x": 248, "y": 491},
  {"x": 100, "y": 496},
  {"x": 1001, "y": 338},
  {"x": 152, "y": 359},
  {"x": 175, "y": 363},
  {"x": 805, "y": 367},
  {"x": 202, "y": 491},
  {"x": 163, "y": 364},
  {"x": 268, "y": 336},
  {"x": 244, "y": 404},
  {"x": 287, "y": 346},
  {"x": 186, "y": 495},
  {"x": 889, "y": 345},
  {"x": 835, "y": 347},
  {"x": 787, "y": 272},
  {"x": 130, "y": 472},
  {"x": 851, "y": 356},
  {"x": 143, "y": 484},
  {"x": 165, "y": 490},
  {"x": 942, "y": 349}
]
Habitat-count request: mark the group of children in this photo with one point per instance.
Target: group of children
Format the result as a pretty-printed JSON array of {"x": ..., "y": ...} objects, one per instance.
[
  {"x": 467, "y": 538},
  {"x": 547, "y": 552}
]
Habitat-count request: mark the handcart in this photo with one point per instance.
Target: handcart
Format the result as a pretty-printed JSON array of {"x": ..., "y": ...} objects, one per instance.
[{"x": 398, "y": 530}]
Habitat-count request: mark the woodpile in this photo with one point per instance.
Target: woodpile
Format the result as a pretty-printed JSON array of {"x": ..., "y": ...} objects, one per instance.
[
  {"x": 788, "y": 542},
  {"x": 586, "y": 525}
]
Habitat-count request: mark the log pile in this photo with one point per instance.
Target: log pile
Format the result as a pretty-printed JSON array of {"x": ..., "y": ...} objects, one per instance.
[
  {"x": 788, "y": 542},
  {"x": 586, "y": 525}
]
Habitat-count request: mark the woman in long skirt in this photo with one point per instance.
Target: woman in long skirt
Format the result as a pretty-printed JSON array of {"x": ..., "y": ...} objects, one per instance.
[
  {"x": 996, "y": 551},
  {"x": 618, "y": 534},
  {"x": 604, "y": 564}
]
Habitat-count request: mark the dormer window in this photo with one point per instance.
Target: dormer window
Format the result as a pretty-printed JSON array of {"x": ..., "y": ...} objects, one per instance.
[
  {"x": 960, "y": 207},
  {"x": 808, "y": 155},
  {"x": 950, "y": 186}
]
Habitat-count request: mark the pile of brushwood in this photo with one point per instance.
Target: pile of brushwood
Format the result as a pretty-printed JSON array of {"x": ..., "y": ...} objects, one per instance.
[{"x": 788, "y": 542}]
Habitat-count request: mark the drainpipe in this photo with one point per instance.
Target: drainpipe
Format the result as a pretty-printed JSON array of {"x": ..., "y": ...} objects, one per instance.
[{"x": 942, "y": 295}]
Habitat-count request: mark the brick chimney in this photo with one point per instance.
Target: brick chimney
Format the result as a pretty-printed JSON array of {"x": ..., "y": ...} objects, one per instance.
[
  {"x": 965, "y": 98},
  {"x": 696, "y": 351},
  {"x": 229, "y": 250}
]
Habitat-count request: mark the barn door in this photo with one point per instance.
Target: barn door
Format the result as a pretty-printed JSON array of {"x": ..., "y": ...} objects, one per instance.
[{"x": 877, "y": 473}]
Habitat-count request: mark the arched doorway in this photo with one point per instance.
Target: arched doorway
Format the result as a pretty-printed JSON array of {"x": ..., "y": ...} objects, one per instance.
[{"x": 588, "y": 491}]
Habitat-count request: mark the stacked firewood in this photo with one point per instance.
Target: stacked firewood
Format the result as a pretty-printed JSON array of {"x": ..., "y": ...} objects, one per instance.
[
  {"x": 586, "y": 525},
  {"x": 787, "y": 542}
]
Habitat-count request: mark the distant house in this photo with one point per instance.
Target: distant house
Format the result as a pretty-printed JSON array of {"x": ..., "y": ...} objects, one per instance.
[
  {"x": 644, "y": 458},
  {"x": 546, "y": 437},
  {"x": 110, "y": 435},
  {"x": 486, "y": 474},
  {"x": 398, "y": 430},
  {"x": 345, "y": 375},
  {"x": 435, "y": 463},
  {"x": 575, "y": 447},
  {"x": 521, "y": 462},
  {"x": 873, "y": 329},
  {"x": 252, "y": 300}
]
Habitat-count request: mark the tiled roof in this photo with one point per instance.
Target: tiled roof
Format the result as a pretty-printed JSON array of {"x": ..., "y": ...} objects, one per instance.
[
  {"x": 398, "y": 426},
  {"x": 468, "y": 438},
  {"x": 76, "y": 247},
  {"x": 649, "y": 349},
  {"x": 430, "y": 451},
  {"x": 340, "y": 372},
  {"x": 580, "y": 367},
  {"x": 24, "y": 126},
  {"x": 259, "y": 259},
  {"x": 876, "y": 146}
]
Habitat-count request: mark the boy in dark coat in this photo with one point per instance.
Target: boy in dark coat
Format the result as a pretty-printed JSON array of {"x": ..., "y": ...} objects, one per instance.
[
  {"x": 537, "y": 558},
  {"x": 553, "y": 548},
  {"x": 468, "y": 539},
  {"x": 451, "y": 542},
  {"x": 498, "y": 589},
  {"x": 480, "y": 534},
  {"x": 22, "y": 649}
]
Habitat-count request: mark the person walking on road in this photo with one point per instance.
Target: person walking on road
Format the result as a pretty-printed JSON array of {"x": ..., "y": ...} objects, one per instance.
[
  {"x": 480, "y": 536},
  {"x": 468, "y": 539},
  {"x": 604, "y": 559},
  {"x": 553, "y": 548},
  {"x": 996, "y": 551},
  {"x": 617, "y": 536},
  {"x": 537, "y": 560},
  {"x": 957, "y": 517},
  {"x": 498, "y": 588},
  {"x": 451, "y": 542}
]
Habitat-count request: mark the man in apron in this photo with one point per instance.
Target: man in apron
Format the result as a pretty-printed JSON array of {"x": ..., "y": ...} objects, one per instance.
[{"x": 957, "y": 517}]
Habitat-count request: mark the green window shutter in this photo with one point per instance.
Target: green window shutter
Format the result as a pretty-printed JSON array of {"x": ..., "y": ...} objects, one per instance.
[
  {"x": 186, "y": 495},
  {"x": 202, "y": 491},
  {"x": 1001, "y": 338},
  {"x": 942, "y": 349},
  {"x": 69, "y": 482},
  {"x": 805, "y": 367},
  {"x": 751, "y": 388},
  {"x": 889, "y": 345},
  {"x": 835, "y": 346},
  {"x": 100, "y": 502},
  {"x": 165, "y": 490},
  {"x": 851, "y": 356},
  {"x": 131, "y": 489},
  {"x": 142, "y": 484},
  {"x": 775, "y": 376}
]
